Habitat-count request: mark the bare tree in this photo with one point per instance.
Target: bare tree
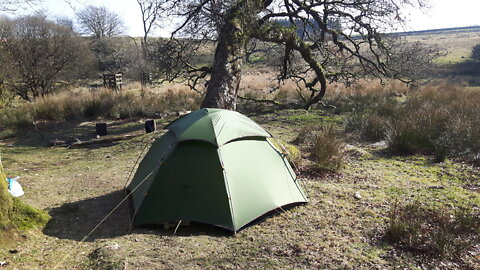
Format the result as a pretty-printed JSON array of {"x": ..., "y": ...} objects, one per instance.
[
  {"x": 151, "y": 11},
  {"x": 13, "y": 5},
  {"x": 99, "y": 22},
  {"x": 39, "y": 51},
  {"x": 340, "y": 40}
]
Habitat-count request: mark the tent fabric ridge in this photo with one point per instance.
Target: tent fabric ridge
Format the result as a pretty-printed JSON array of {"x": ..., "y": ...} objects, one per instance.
[
  {"x": 244, "y": 138},
  {"x": 227, "y": 188},
  {"x": 213, "y": 128}
]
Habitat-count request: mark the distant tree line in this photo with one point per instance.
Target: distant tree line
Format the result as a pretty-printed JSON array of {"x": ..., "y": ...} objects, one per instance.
[{"x": 36, "y": 54}]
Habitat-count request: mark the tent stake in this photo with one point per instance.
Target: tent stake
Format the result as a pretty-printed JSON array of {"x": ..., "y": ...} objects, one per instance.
[{"x": 176, "y": 228}]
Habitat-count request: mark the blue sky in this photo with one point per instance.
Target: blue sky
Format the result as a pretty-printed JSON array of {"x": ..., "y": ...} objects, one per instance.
[{"x": 442, "y": 14}]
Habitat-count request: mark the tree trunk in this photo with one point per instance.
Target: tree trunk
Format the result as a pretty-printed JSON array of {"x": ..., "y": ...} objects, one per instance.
[
  {"x": 227, "y": 68},
  {"x": 316, "y": 99}
]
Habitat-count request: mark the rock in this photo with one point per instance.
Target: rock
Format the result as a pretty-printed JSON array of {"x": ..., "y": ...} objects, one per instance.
[
  {"x": 380, "y": 144},
  {"x": 13, "y": 251},
  {"x": 183, "y": 113},
  {"x": 356, "y": 151},
  {"x": 114, "y": 246},
  {"x": 357, "y": 195},
  {"x": 2, "y": 264}
]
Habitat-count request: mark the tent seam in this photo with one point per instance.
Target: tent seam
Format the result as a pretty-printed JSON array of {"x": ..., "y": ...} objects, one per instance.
[
  {"x": 285, "y": 161},
  {"x": 227, "y": 187}
]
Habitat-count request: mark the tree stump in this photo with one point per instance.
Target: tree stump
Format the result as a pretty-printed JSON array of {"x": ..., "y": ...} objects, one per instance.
[
  {"x": 101, "y": 129},
  {"x": 150, "y": 126}
]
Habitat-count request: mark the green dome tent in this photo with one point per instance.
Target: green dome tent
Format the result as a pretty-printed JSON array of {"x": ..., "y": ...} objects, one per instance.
[{"x": 212, "y": 166}]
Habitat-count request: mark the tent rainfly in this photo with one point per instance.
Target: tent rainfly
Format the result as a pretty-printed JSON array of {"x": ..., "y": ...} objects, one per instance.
[{"x": 212, "y": 166}]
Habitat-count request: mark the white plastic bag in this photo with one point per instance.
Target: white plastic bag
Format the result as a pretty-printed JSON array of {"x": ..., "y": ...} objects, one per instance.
[{"x": 14, "y": 187}]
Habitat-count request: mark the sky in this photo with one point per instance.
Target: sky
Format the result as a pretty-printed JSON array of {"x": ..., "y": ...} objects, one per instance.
[{"x": 442, "y": 13}]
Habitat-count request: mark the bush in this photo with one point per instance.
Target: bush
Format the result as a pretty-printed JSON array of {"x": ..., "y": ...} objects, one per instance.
[
  {"x": 433, "y": 230},
  {"x": 476, "y": 52},
  {"x": 372, "y": 127},
  {"x": 16, "y": 118},
  {"x": 327, "y": 150},
  {"x": 305, "y": 135},
  {"x": 440, "y": 120}
]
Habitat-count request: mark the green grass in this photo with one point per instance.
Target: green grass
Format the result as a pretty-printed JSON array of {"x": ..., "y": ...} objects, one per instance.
[{"x": 457, "y": 45}]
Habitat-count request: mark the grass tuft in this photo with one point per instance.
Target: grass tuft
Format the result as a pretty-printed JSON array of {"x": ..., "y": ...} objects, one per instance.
[
  {"x": 438, "y": 231},
  {"x": 327, "y": 150}
]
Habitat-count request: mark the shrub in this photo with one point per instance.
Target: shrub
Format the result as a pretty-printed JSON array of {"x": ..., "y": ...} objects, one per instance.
[
  {"x": 372, "y": 127},
  {"x": 305, "y": 135},
  {"x": 433, "y": 230},
  {"x": 439, "y": 119},
  {"x": 327, "y": 150},
  {"x": 16, "y": 118},
  {"x": 476, "y": 52}
]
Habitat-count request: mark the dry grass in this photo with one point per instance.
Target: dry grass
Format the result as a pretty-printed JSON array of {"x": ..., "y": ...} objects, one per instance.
[
  {"x": 106, "y": 104},
  {"x": 458, "y": 45},
  {"x": 438, "y": 231},
  {"x": 442, "y": 120},
  {"x": 438, "y": 119},
  {"x": 328, "y": 149}
]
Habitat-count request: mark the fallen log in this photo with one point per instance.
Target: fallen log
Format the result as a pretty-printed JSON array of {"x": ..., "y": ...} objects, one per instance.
[{"x": 102, "y": 140}]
